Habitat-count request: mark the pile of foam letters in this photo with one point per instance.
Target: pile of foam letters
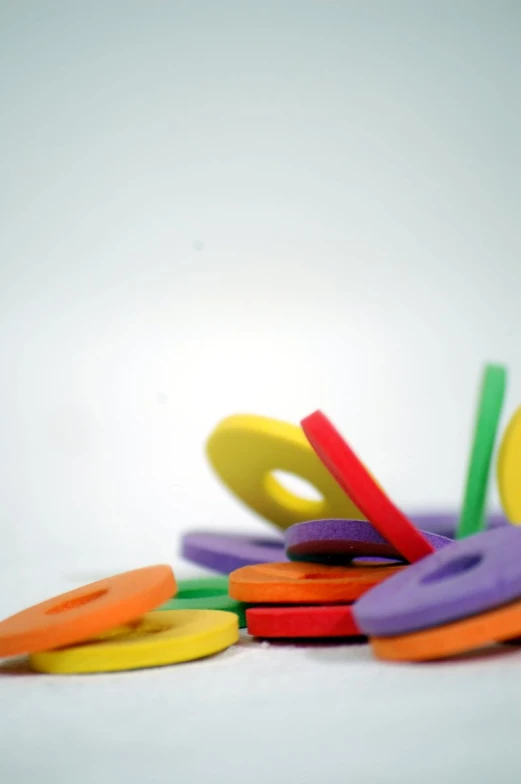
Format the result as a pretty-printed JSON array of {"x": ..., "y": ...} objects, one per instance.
[{"x": 351, "y": 565}]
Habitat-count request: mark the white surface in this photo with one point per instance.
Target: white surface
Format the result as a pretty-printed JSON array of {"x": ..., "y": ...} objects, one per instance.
[
  {"x": 262, "y": 713},
  {"x": 211, "y": 207}
]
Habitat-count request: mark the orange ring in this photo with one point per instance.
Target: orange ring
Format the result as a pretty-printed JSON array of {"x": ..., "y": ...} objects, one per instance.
[
  {"x": 453, "y": 638},
  {"x": 87, "y": 611},
  {"x": 305, "y": 583}
]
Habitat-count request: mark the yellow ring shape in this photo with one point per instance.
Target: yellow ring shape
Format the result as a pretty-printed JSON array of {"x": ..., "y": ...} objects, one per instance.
[
  {"x": 154, "y": 640},
  {"x": 509, "y": 469},
  {"x": 244, "y": 450}
]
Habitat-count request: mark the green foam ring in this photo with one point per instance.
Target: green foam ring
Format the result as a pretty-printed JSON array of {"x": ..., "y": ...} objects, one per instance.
[
  {"x": 206, "y": 593},
  {"x": 493, "y": 385}
]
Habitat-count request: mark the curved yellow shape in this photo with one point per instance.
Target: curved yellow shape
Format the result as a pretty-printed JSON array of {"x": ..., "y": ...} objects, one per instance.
[
  {"x": 156, "y": 639},
  {"x": 245, "y": 450},
  {"x": 509, "y": 469}
]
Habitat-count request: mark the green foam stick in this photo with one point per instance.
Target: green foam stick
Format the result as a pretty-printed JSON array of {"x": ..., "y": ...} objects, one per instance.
[{"x": 493, "y": 385}]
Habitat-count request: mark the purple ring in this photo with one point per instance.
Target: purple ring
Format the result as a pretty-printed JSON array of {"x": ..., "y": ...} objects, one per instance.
[
  {"x": 469, "y": 577},
  {"x": 226, "y": 552},
  {"x": 446, "y": 523},
  {"x": 337, "y": 541}
]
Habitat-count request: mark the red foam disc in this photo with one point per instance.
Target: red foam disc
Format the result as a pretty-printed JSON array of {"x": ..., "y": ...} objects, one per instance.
[
  {"x": 357, "y": 482},
  {"x": 289, "y": 622}
]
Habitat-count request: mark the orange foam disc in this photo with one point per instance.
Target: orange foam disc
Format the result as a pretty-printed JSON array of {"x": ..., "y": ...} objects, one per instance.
[
  {"x": 497, "y": 625},
  {"x": 305, "y": 583},
  {"x": 86, "y": 612}
]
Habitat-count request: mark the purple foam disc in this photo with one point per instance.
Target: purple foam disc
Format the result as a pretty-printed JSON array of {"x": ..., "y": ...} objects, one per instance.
[
  {"x": 470, "y": 576},
  {"x": 339, "y": 541},
  {"x": 446, "y": 523},
  {"x": 226, "y": 552}
]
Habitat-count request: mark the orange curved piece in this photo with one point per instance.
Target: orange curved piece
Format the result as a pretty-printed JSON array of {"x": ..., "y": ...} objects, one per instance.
[
  {"x": 305, "y": 583},
  {"x": 497, "y": 625},
  {"x": 87, "y": 611}
]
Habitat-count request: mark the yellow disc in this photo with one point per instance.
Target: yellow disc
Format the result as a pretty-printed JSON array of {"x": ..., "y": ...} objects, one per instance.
[
  {"x": 245, "y": 450},
  {"x": 509, "y": 469},
  {"x": 156, "y": 639}
]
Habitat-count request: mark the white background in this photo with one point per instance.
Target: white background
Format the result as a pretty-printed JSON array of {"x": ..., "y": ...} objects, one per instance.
[{"x": 268, "y": 207}]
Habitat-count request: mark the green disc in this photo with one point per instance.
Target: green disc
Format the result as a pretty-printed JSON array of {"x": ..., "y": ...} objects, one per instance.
[
  {"x": 206, "y": 593},
  {"x": 493, "y": 385}
]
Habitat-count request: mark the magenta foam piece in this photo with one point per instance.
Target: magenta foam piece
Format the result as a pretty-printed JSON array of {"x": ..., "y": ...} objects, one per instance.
[
  {"x": 226, "y": 552},
  {"x": 470, "y": 576},
  {"x": 337, "y": 541},
  {"x": 446, "y": 523}
]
